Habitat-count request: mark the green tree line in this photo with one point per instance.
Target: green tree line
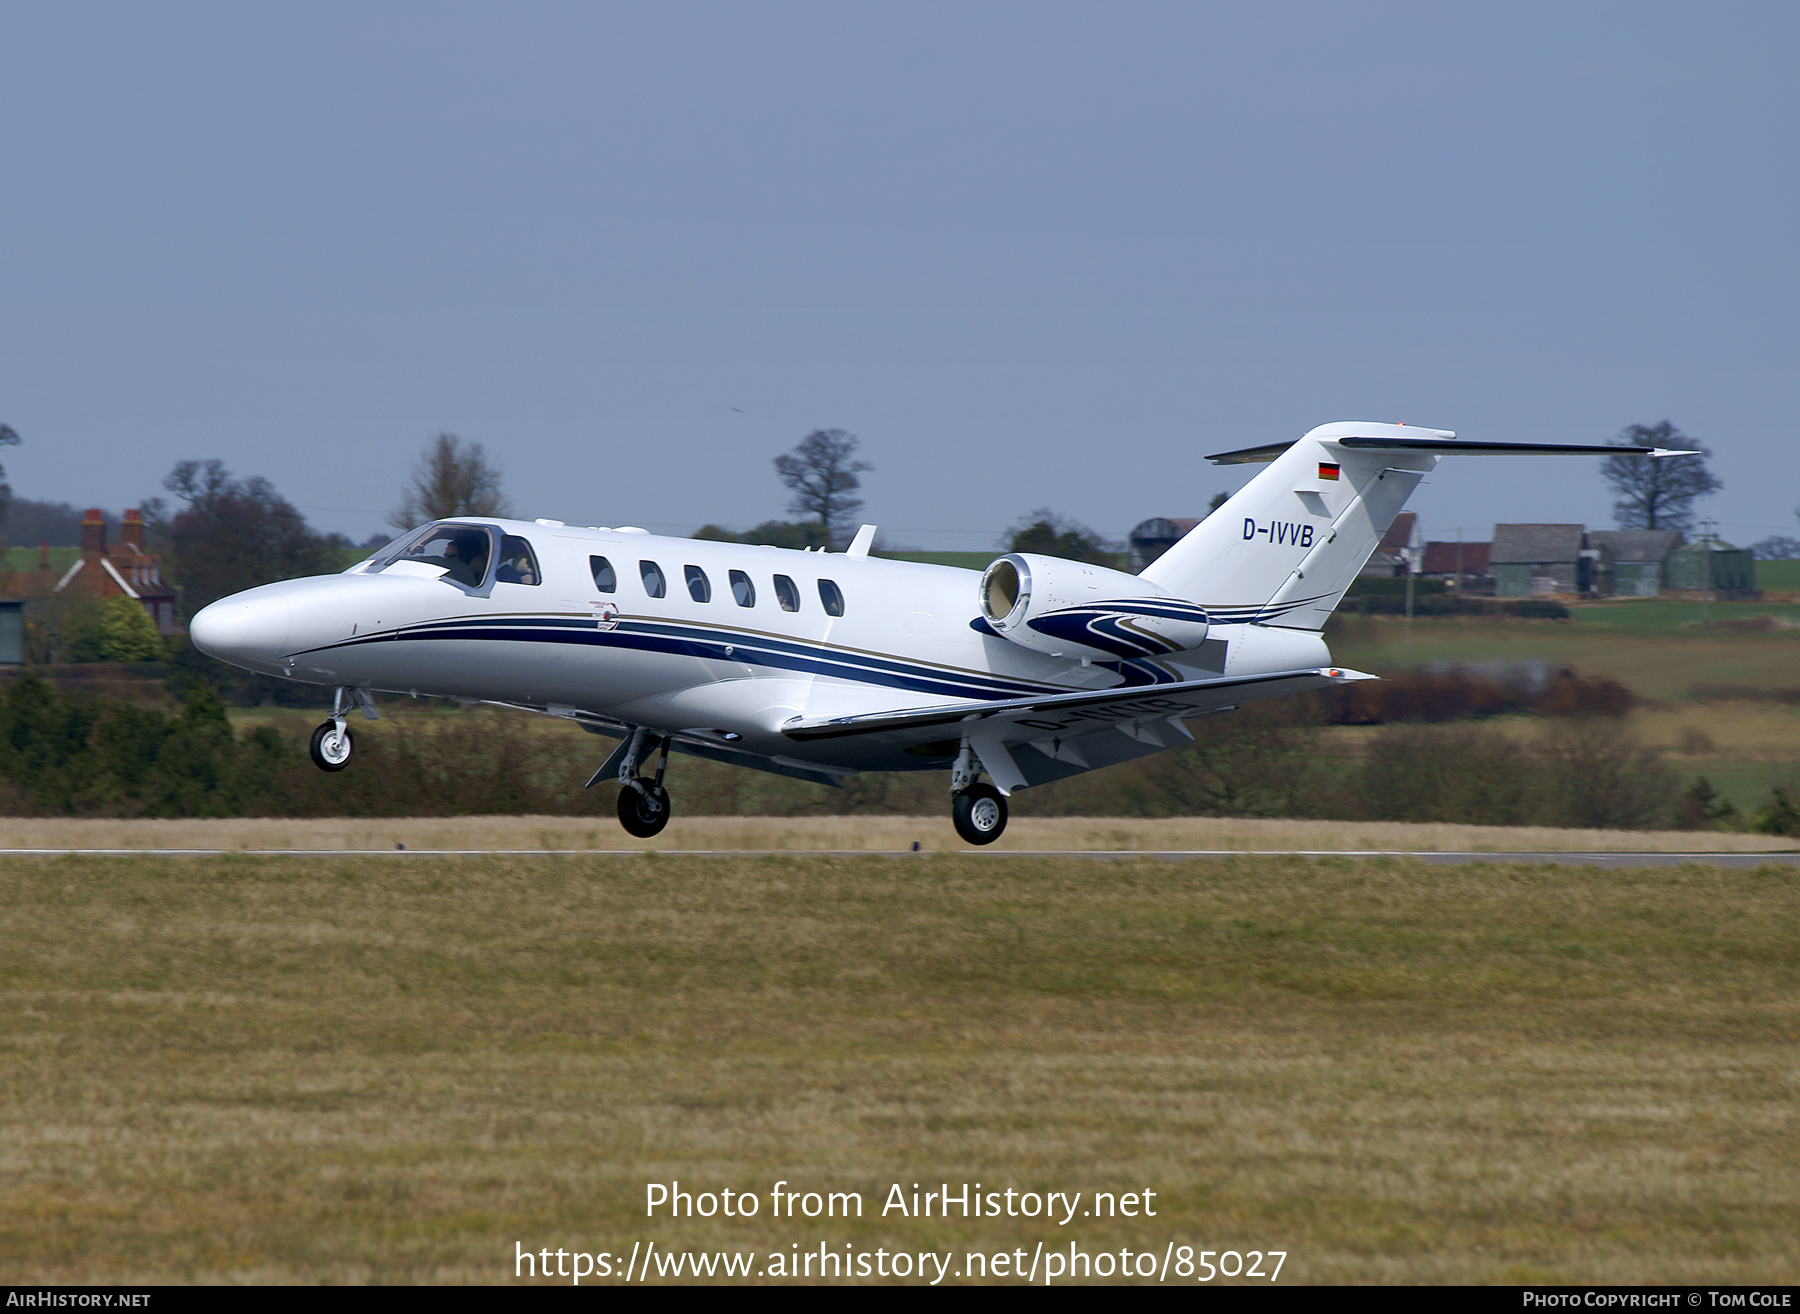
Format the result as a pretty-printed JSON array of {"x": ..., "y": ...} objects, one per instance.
[{"x": 76, "y": 754}]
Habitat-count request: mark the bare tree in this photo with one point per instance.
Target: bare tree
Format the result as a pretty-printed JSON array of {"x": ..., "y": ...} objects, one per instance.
[
  {"x": 233, "y": 534},
  {"x": 450, "y": 478},
  {"x": 9, "y": 437},
  {"x": 822, "y": 475},
  {"x": 1657, "y": 493}
]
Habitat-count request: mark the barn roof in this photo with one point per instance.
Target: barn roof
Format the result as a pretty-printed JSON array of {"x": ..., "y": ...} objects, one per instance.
[
  {"x": 1636, "y": 544},
  {"x": 1530, "y": 544}
]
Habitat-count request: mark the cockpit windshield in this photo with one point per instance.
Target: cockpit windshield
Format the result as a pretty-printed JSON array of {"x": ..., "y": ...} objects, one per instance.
[{"x": 463, "y": 552}]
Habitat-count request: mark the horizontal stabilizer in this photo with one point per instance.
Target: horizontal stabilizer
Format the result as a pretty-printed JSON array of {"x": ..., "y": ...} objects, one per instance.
[{"x": 1447, "y": 445}]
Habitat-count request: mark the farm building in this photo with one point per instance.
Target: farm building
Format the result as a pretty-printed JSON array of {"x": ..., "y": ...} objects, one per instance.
[
  {"x": 1461, "y": 566},
  {"x": 1155, "y": 536},
  {"x": 1712, "y": 564},
  {"x": 1638, "y": 558},
  {"x": 1538, "y": 560}
]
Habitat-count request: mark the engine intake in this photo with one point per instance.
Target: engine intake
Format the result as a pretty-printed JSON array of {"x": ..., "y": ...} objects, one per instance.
[{"x": 1071, "y": 609}]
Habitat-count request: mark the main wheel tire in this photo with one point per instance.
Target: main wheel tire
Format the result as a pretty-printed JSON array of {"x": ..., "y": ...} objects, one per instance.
[
  {"x": 644, "y": 814},
  {"x": 331, "y": 747},
  {"x": 980, "y": 813}
]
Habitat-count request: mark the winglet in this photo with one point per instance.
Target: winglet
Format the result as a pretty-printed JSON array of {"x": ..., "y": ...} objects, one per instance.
[
  {"x": 1657, "y": 453},
  {"x": 860, "y": 545}
]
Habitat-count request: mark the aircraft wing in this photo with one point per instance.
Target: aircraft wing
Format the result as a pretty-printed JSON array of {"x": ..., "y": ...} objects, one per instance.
[
  {"x": 1071, "y": 714},
  {"x": 1070, "y": 733}
]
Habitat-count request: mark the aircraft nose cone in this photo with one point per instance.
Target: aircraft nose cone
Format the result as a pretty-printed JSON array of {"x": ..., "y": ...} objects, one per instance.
[{"x": 242, "y": 630}]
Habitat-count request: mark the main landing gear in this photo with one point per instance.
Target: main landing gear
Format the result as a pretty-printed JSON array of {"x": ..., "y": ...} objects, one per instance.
[
  {"x": 331, "y": 743},
  {"x": 643, "y": 805},
  {"x": 976, "y": 807}
]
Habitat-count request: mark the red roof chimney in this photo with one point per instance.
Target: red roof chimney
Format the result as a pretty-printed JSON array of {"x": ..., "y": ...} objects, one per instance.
[
  {"x": 93, "y": 532},
  {"x": 44, "y": 554},
  {"x": 131, "y": 532}
]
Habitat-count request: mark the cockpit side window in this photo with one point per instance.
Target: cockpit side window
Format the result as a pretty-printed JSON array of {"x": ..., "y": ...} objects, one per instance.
[
  {"x": 517, "y": 565},
  {"x": 786, "y": 594},
  {"x": 832, "y": 597},
  {"x": 605, "y": 579},
  {"x": 461, "y": 551},
  {"x": 699, "y": 586},
  {"x": 652, "y": 575},
  {"x": 742, "y": 589}
]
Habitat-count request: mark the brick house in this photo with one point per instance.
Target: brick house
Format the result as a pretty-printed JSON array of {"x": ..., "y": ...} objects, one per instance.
[{"x": 104, "y": 570}]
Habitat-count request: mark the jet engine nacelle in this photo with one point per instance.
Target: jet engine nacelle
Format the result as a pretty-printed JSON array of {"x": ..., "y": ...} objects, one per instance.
[{"x": 1071, "y": 609}]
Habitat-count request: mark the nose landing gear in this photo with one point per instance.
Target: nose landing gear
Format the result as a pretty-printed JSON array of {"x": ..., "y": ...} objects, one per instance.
[{"x": 332, "y": 745}]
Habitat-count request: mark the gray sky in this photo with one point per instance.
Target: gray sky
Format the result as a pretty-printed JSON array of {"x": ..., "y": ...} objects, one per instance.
[{"x": 1031, "y": 253}]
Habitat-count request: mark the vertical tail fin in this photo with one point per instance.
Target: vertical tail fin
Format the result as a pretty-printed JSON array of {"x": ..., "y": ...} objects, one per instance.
[{"x": 1285, "y": 549}]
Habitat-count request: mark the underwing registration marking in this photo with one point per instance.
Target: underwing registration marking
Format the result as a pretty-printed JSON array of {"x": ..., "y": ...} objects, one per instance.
[{"x": 1129, "y": 711}]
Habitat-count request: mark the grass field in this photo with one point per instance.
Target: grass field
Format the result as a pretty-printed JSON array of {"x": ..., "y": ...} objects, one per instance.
[
  {"x": 1646, "y": 646},
  {"x": 857, "y": 833},
  {"x": 351, "y": 1070},
  {"x": 1778, "y": 576}
]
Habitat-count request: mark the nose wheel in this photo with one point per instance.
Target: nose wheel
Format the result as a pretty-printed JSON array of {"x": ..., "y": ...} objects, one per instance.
[
  {"x": 979, "y": 813},
  {"x": 331, "y": 743},
  {"x": 332, "y": 746}
]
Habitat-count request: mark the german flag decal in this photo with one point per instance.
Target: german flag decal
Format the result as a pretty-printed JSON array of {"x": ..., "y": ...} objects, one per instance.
[{"x": 1327, "y": 470}]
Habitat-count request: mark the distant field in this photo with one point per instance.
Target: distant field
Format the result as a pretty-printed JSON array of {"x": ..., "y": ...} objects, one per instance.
[
  {"x": 1652, "y": 652},
  {"x": 1779, "y": 576},
  {"x": 1679, "y": 615},
  {"x": 365, "y": 1070},
  {"x": 28, "y": 557}
]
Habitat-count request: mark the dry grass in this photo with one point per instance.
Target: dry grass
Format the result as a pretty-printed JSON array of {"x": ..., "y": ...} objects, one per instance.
[
  {"x": 352, "y": 1069},
  {"x": 865, "y": 834}
]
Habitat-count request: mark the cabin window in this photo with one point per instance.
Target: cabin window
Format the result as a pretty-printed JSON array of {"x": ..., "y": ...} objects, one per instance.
[
  {"x": 786, "y": 594},
  {"x": 517, "y": 564},
  {"x": 699, "y": 586},
  {"x": 605, "y": 579},
  {"x": 652, "y": 575},
  {"x": 461, "y": 551},
  {"x": 742, "y": 589},
  {"x": 832, "y": 597}
]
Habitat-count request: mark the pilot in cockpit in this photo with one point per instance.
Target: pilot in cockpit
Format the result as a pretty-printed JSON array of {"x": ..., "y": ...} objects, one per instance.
[{"x": 465, "y": 555}]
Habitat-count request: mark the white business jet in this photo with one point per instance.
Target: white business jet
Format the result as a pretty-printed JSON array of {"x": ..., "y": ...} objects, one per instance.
[{"x": 819, "y": 665}]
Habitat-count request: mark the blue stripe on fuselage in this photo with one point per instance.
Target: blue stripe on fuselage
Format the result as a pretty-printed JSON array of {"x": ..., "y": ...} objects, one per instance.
[{"x": 747, "y": 648}]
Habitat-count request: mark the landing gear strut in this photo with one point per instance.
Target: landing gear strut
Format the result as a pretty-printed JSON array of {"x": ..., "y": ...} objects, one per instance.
[
  {"x": 643, "y": 806},
  {"x": 976, "y": 807},
  {"x": 331, "y": 743}
]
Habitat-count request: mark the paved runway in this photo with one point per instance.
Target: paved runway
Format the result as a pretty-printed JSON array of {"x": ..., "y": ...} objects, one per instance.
[{"x": 1609, "y": 860}]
